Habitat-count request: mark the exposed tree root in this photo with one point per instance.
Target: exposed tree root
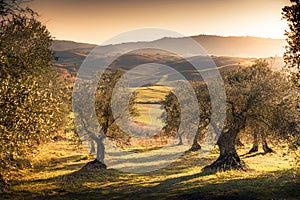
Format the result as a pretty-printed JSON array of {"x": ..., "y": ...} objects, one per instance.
[
  {"x": 95, "y": 164},
  {"x": 195, "y": 147},
  {"x": 180, "y": 142},
  {"x": 267, "y": 149},
  {"x": 239, "y": 143},
  {"x": 227, "y": 162},
  {"x": 253, "y": 150}
]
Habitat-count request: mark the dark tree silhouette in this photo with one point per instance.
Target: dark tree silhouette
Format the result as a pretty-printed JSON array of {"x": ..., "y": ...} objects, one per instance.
[{"x": 292, "y": 54}]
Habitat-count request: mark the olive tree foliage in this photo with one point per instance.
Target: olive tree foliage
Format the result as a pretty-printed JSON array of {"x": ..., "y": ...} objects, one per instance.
[
  {"x": 31, "y": 99},
  {"x": 171, "y": 115},
  {"x": 9, "y": 8},
  {"x": 291, "y": 56},
  {"x": 291, "y": 14}
]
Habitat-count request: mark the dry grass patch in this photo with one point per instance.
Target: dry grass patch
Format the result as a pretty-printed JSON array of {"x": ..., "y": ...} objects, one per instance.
[{"x": 56, "y": 174}]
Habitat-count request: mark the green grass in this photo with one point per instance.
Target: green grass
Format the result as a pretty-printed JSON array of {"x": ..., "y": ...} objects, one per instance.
[
  {"x": 152, "y": 93},
  {"x": 56, "y": 174},
  {"x": 147, "y": 107},
  {"x": 149, "y": 114}
]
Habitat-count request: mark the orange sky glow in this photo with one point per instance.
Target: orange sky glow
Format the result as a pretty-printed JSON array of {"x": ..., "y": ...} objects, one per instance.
[{"x": 94, "y": 21}]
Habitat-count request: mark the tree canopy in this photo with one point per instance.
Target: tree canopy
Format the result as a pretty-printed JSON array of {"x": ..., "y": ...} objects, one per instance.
[
  {"x": 258, "y": 99},
  {"x": 291, "y": 56},
  {"x": 31, "y": 99}
]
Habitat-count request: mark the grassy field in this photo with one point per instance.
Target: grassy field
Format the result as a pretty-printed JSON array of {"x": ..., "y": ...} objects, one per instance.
[
  {"x": 147, "y": 104},
  {"x": 56, "y": 171},
  {"x": 152, "y": 94},
  {"x": 56, "y": 174}
]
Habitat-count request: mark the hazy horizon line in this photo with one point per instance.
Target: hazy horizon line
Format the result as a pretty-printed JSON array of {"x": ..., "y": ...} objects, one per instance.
[{"x": 224, "y": 36}]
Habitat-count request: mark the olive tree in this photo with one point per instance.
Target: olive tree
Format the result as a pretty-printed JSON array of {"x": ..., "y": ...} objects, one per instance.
[
  {"x": 291, "y": 56},
  {"x": 291, "y": 14},
  {"x": 106, "y": 119},
  {"x": 172, "y": 114},
  {"x": 255, "y": 95},
  {"x": 31, "y": 99}
]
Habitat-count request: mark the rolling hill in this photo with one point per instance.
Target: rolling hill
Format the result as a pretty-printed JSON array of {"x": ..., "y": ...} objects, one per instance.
[{"x": 225, "y": 51}]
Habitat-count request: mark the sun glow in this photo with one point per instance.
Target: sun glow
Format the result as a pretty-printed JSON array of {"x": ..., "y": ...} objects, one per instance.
[{"x": 95, "y": 21}]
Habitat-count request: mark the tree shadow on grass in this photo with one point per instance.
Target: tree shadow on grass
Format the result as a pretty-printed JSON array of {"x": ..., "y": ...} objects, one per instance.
[
  {"x": 112, "y": 184},
  {"x": 250, "y": 155},
  {"x": 107, "y": 182},
  {"x": 282, "y": 186},
  {"x": 60, "y": 162},
  {"x": 185, "y": 187}
]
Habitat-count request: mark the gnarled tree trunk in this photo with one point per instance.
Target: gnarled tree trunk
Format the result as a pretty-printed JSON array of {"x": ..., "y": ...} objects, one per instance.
[
  {"x": 99, "y": 161},
  {"x": 238, "y": 142},
  {"x": 266, "y": 148},
  {"x": 228, "y": 158},
  {"x": 180, "y": 140},
  {"x": 196, "y": 146},
  {"x": 100, "y": 149},
  {"x": 255, "y": 144},
  {"x": 93, "y": 149}
]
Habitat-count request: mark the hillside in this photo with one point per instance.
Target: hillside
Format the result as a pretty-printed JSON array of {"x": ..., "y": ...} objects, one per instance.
[
  {"x": 65, "y": 45},
  {"x": 226, "y": 51},
  {"x": 241, "y": 46}
]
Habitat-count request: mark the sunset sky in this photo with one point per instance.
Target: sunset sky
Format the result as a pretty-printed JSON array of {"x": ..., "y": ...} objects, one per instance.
[{"x": 95, "y": 21}]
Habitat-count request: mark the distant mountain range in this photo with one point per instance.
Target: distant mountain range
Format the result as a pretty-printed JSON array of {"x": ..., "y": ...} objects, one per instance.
[{"x": 225, "y": 50}]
